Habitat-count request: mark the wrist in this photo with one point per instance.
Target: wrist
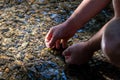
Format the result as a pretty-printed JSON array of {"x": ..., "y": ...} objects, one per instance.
[
  {"x": 73, "y": 24},
  {"x": 91, "y": 46}
]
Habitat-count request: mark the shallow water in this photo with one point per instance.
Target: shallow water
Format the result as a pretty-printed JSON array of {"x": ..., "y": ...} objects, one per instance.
[{"x": 23, "y": 55}]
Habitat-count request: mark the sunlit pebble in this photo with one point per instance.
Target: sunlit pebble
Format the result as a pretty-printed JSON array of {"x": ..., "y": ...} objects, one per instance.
[
  {"x": 18, "y": 55},
  {"x": 38, "y": 20},
  {"x": 24, "y": 44},
  {"x": 44, "y": 13},
  {"x": 7, "y": 70},
  {"x": 54, "y": 15},
  {"x": 4, "y": 14},
  {"x": 81, "y": 30},
  {"x": 12, "y": 49},
  {"x": 7, "y": 40},
  {"x": 29, "y": 56},
  {"x": 18, "y": 62}
]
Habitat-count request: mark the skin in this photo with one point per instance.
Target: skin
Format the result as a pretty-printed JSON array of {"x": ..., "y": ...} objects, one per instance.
[
  {"x": 111, "y": 39},
  {"x": 81, "y": 52}
]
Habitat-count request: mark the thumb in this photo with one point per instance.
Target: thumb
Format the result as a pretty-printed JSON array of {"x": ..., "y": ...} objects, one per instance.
[
  {"x": 67, "y": 55},
  {"x": 66, "y": 52},
  {"x": 68, "y": 60}
]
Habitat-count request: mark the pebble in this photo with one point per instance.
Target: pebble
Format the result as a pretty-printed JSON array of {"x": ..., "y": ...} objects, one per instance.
[
  {"x": 29, "y": 57},
  {"x": 7, "y": 70},
  {"x": 1, "y": 74},
  {"x": 54, "y": 15},
  {"x": 19, "y": 63}
]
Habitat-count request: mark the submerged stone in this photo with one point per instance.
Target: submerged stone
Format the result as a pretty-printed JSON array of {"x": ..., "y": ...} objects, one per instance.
[{"x": 47, "y": 71}]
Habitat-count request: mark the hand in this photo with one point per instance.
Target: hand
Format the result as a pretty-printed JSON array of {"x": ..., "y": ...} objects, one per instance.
[
  {"x": 59, "y": 35},
  {"x": 78, "y": 53}
]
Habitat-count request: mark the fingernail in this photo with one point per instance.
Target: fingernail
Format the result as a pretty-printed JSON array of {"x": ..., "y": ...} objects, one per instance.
[{"x": 47, "y": 45}]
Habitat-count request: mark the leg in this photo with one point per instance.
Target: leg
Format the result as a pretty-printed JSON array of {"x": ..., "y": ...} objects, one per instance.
[
  {"x": 111, "y": 36},
  {"x": 111, "y": 42}
]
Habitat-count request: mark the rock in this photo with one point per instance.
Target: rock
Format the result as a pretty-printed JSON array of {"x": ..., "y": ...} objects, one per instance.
[
  {"x": 54, "y": 15},
  {"x": 7, "y": 70},
  {"x": 23, "y": 46},
  {"x": 28, "y": 57},
  {"x": 1, "y": 74},
  {"x": 5, "y": 30},
  {"x": 19, "y": 63}
]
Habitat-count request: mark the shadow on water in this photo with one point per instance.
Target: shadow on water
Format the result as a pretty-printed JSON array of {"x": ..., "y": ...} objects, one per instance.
[{"x": 103, "y": 71}]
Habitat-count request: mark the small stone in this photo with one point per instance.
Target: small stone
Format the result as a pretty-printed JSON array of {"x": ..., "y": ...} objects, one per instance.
[
  {"x": 12, "y": 49},
  {"x": 29, "y": 57},
  {"x": 0, "y": 69},
  {"x": 54, "y": 16},
  {"x": 23, "y": 46},
  {"x": 5, "y": 30},
  {"x": 19, "y": 63},
  {"x": 7, "y": 70},
  {"x": 21, "y": 15},
  {"x": 1, "y": 74},
  {"x": 14, "y": 66}
]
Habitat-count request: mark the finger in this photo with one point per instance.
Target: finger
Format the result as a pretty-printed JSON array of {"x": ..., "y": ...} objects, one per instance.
[
  {"x": 49, "y": 35},
  {"x": 58, "y": 44},
  {"x": 67, "y": 52},
  {"x": 64, "y": 43},
  {"x": 48, "y": 38},
  {"x": 53, "y": 40},
  {"x": 68, "y": 59},
  {"x": 68, "y": 56}
]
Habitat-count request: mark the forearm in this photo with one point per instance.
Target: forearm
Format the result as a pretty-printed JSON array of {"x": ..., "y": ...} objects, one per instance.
[{"x": 85, "y": 11}]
